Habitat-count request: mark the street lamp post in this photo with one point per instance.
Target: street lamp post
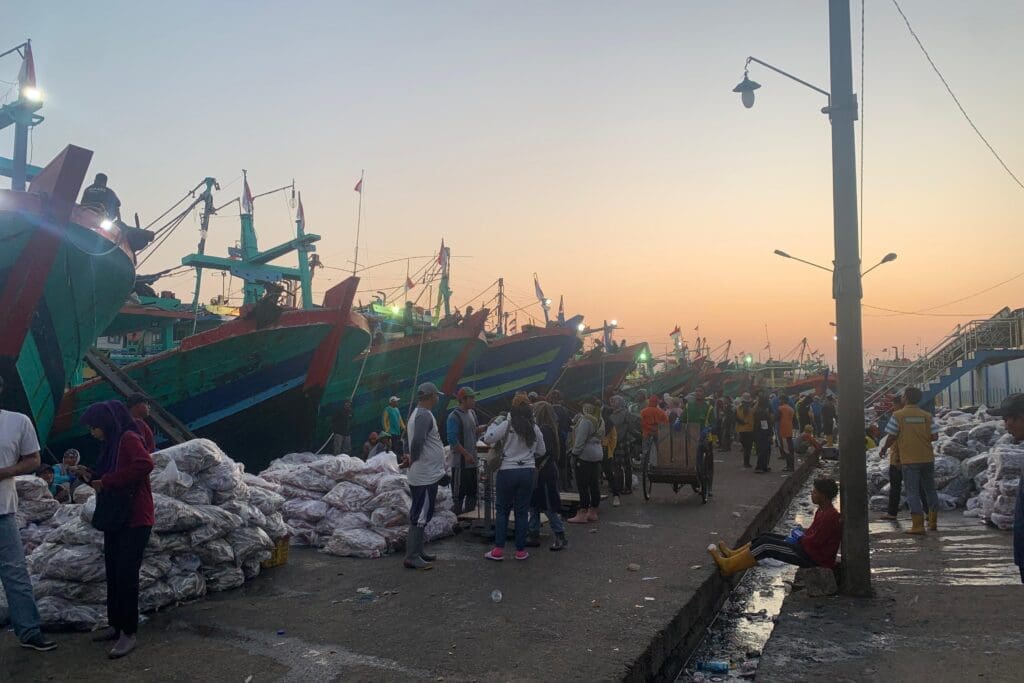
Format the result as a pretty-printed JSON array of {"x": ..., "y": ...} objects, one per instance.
[{"x": 846, "y": 290}]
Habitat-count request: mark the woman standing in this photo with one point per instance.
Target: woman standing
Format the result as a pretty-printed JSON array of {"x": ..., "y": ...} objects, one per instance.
[
  {"x": 545, "y": 493},
  {"x": 586, "y": 447},
  {"x": 124, "y": 513},
  {"x": 521, "y": 442},
  {"x": 763, "y": 434}
]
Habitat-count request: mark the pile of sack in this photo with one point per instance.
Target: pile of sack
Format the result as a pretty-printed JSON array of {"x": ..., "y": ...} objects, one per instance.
[
  {"x": 972, "y": 450},
  {"x": 215, "y": 524},
  {"x": 349, "y": 507}
]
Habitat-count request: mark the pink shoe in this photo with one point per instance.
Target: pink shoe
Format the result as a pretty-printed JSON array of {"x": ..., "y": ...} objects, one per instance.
[
  {"x": 496, "y": 554},
  {"x": 522, "y": 554},
  {"x": 592, "y": 515},
  {"x": 580, "y": 518}
]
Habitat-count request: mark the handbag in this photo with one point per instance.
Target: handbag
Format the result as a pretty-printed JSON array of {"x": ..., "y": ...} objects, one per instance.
[{"x": 113, "y": 508}]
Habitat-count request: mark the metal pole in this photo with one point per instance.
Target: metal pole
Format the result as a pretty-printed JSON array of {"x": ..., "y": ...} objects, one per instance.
[
  {"x": 19, "y": 172},
  {"x": 842, "y": 110},
  {"x": 359, "y": 222}
]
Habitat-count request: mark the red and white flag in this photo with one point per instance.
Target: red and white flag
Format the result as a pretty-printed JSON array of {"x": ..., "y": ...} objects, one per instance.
[
  {"x": 442, "y": 255},
  {"x": 300, "y": 215},
  {"x": 27, "y": 74},
  {"x": 676, "y": 332},
  {"x": 246, "y": 198},
  {"x": 359, "y": 186},
  {"x": 409, "y": 284}
]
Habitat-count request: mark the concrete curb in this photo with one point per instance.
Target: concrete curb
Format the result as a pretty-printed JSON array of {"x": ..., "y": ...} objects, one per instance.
[{"x": 667, "y": 653}]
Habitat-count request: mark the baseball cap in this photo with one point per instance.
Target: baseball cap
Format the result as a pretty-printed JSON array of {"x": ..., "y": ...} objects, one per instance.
[
  {"x": 427, "y": 389},
  {"x": 393, "y": 399},
  {"x": 1012, "y": 405},
  {"x": 466, "y": 392}
]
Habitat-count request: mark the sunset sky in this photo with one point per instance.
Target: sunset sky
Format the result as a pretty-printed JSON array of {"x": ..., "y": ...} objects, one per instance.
[{"x": 595, "y": 143}]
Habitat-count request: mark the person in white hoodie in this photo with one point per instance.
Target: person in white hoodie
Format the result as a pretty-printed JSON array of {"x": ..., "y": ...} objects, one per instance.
[
  {"x": 521, "y": 443},
  {"x": 586, "y": 447},
  {"x": 425, "y": 461}
]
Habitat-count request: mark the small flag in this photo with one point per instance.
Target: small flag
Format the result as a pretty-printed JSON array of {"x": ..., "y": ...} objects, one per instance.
[
  {"x": 359, "y": 186},
  {"x": 409, "y": 284},
  {"x": 538, "y": 292},
  {"x": 676, "y": 332},
  {"x": 697, "y": 329},
  {"x": 300, "y": 215},
  {"x": 246, "y": 198},
  {"x": 442, "y": 255},
  {"x": 27, "y": 74}
]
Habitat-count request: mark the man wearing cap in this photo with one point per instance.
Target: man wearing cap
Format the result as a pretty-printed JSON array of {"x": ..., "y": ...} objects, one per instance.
[
  {"x": 914, "y": 430},
  {"x": 1012, "y": 412},
  {"x": 426, "y": 470},
  {"x": 19, "y": 454},
  {"x": 393, "y": 423},
  {"x": 463, "y": 429},
  {"x": 138, "y": 408}
]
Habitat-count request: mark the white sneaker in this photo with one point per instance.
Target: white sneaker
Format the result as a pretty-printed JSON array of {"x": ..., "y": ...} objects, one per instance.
[{"x": 615, "y": 501}]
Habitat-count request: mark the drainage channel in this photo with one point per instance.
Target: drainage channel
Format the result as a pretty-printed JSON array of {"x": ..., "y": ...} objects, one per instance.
[{"x": 742, "y": 627}]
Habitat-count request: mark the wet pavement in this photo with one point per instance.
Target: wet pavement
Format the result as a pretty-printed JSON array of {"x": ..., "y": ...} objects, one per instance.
[{"x": 578, "y": 615}]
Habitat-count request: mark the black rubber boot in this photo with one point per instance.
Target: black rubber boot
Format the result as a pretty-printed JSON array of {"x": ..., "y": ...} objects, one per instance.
[{"x": 560, "y": 542}]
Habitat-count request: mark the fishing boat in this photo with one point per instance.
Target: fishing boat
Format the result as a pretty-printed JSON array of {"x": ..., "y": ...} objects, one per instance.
[
  {"x": 529, "y": 360},
  {"x": 63, "y": 277},
  {"x": 599, "y": 373},
  {"x": 252, "y": 384}
]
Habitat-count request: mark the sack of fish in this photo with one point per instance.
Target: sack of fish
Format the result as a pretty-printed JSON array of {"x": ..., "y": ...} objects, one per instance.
[
  {"x": 349, "y": 507},
  {"x": 214, "y": 526},
  {"x": 977, "y": 467}
]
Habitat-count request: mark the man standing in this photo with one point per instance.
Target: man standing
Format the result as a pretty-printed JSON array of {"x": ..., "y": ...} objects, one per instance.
[
  {"x": 896, "y": 473},
  {"x": 701, "y": 413},
  {"x": 341, "y": 426},
  {"x": 393, "y": 423},
  {"x": 426, "y": 470},
  {"x": 745, "y": 427},
  {"x": 786, "y": 413},
  {"x": 828, "y": 419},
  {"x": 138, "y": 408},
  {"x": 817, "y": 411},
  {"x": 1012, "y": 412},
  {"x": 101, "y": 198},
  {"x": 914, "y": 431},
  {"x": 463, "y": 430},
  {"x": 19, "y": 454}
]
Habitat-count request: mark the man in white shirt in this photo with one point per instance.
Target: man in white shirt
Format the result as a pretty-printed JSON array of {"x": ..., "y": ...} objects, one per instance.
[
  {"x": 19, "y": 454},
  {"x": 425, "y": 461}
]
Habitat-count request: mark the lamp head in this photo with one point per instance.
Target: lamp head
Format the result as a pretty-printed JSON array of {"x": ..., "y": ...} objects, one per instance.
[
  {"x": 889, "y": 257},
  {"x": 779, "y": 252},
  {"x": 746, "y": 89}
]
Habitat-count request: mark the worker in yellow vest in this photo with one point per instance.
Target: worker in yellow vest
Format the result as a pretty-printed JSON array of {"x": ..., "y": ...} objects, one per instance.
[{"x": 915, "y": 430}]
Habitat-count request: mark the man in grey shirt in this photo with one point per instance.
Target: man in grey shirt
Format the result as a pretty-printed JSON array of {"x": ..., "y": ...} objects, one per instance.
[
  {"x": 463, "y": 432},
  {"x": 426, "y": 470}
]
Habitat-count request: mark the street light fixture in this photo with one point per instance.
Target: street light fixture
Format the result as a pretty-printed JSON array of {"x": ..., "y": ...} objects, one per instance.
[
  {"x": 888, "y": 258},
  {"x": 885, "y": 259},
  {"x": 746, "y": 90},
  {"x": 847, "y": 292}
]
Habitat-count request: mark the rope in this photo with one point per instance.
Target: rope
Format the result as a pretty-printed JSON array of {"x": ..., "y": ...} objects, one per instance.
[
  {"x": 955, "y": 100},
  {"x": 359, "y": 378},
  {"x": 320, "y": 450},
  {"x": 416, "y": 377}
]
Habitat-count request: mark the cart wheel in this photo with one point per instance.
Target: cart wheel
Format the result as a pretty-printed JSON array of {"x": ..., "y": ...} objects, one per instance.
[{"x": 645, "y": 474}]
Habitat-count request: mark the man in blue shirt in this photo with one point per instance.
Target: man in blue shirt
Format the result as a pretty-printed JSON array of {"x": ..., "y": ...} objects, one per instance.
[{"x": 463, "y": 429}]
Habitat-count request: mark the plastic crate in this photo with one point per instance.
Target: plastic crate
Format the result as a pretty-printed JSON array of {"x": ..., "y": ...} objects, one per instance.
[{"x": 279, "y": 556}]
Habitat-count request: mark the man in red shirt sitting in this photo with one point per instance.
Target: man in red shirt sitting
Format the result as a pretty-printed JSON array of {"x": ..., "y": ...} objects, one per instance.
[{"x": 816, "y": 548}]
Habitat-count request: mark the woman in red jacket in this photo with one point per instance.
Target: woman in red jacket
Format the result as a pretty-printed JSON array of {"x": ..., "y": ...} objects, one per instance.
[
  {"x": 816, "y": 548},
  {"x": 123, "y": 467}
]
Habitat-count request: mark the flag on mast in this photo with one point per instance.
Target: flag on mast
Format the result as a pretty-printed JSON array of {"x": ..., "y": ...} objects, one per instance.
[
  {"x": 538, "y": 292},
  {"x": 676, "y": 332},
  {"x": 442, "y": 255},
  {"x": 300, "y": 216},
  {"x": 359, "y": 186},
  {"x": 27, "y": 74},
  {"x": 561, "y": 308},
  {"x": 409, "y": 284},
  {"x": 246, "y": 198}
]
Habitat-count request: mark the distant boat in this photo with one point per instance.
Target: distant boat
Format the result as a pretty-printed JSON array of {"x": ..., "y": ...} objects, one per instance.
[
  {"x": 251, "y": 386},
  {"x": 599, "y": 374},
  {"x": 531, "y": 359},
  {"x": 63, "y": 278}
]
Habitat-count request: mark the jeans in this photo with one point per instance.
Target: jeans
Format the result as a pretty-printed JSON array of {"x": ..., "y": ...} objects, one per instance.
[
  {"x": 786, "y": 446},
  {"x": 588, "y": 482},
  {"x": 464, "y": 488},
  {"x": 614, "y": 473},
  {"x": 777, "y": 548},
  {"x": 422, "y": 509},
  {"x": 342, "y": 444},
  {"x": 920, "y": 477},
  {"x": 21, "y": 604},
  {"x": 896, "y": 490},
  {"x": 747, "y": 443},
  {"x": 514, "y": 488},
  {"x": 122, "y": 553},
  {"x": 546, "y": 499},
  {"x": 763, "y": 443}
]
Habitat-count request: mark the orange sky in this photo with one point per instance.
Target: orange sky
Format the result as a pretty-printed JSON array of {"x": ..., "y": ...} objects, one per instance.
[{"x": 596, "y": 145}]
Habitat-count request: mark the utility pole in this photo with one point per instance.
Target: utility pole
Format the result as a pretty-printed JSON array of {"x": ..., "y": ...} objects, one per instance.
[
  {"x": 846, "y": 289},
  {"x": 501, "y": 306}
]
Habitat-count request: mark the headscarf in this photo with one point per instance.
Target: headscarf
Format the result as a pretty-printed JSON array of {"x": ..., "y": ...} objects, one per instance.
[
  {"x": 114, "y": 419},
  {"x": 75, "y": 455}
]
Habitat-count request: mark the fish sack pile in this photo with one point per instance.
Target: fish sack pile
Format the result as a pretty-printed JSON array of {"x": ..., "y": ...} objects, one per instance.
[
  {"x": 215, "y": 524},
  {"x": 976, "y": 465},
  {"x": 351, "y": 508}
]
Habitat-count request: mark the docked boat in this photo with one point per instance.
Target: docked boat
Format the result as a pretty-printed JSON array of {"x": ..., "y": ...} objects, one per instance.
[
  {"x": 64, "y": 272},
  {"x": 599, "y": 373}
]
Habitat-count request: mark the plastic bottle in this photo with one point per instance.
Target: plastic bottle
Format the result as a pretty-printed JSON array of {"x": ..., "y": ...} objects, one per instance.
[
  {"x": 715, "y": 667},
  {"x": 496, "y": 595}
]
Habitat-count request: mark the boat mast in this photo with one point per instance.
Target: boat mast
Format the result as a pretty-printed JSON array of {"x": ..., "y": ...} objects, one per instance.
[
  {"x": 21, "y": 113},
  {"x": 501, "y": 307},
  {"x": 444, "y": 293},
  {"x": 251, "y": 291},
  {"x": 305, "y": 277},
  {"x": 359, "y": 220},
  {"x": 204, "y": 226}
]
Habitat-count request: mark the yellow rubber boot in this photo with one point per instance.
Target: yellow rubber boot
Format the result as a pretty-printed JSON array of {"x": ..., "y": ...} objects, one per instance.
[
  {"x": 918, "y": 528},
  {"x": 726, "y": 551},
  {"x": 933, "y": 521},
  {"x": 742, "y": 560}
]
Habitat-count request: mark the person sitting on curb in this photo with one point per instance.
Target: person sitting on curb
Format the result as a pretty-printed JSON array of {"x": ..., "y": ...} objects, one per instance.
[
  {"x": 817, "y": 547},
  {"x": 807, "y": 443}
]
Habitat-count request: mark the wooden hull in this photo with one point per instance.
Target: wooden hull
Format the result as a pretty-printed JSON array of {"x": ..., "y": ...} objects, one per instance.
[{"x": 598, "y": 375}]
